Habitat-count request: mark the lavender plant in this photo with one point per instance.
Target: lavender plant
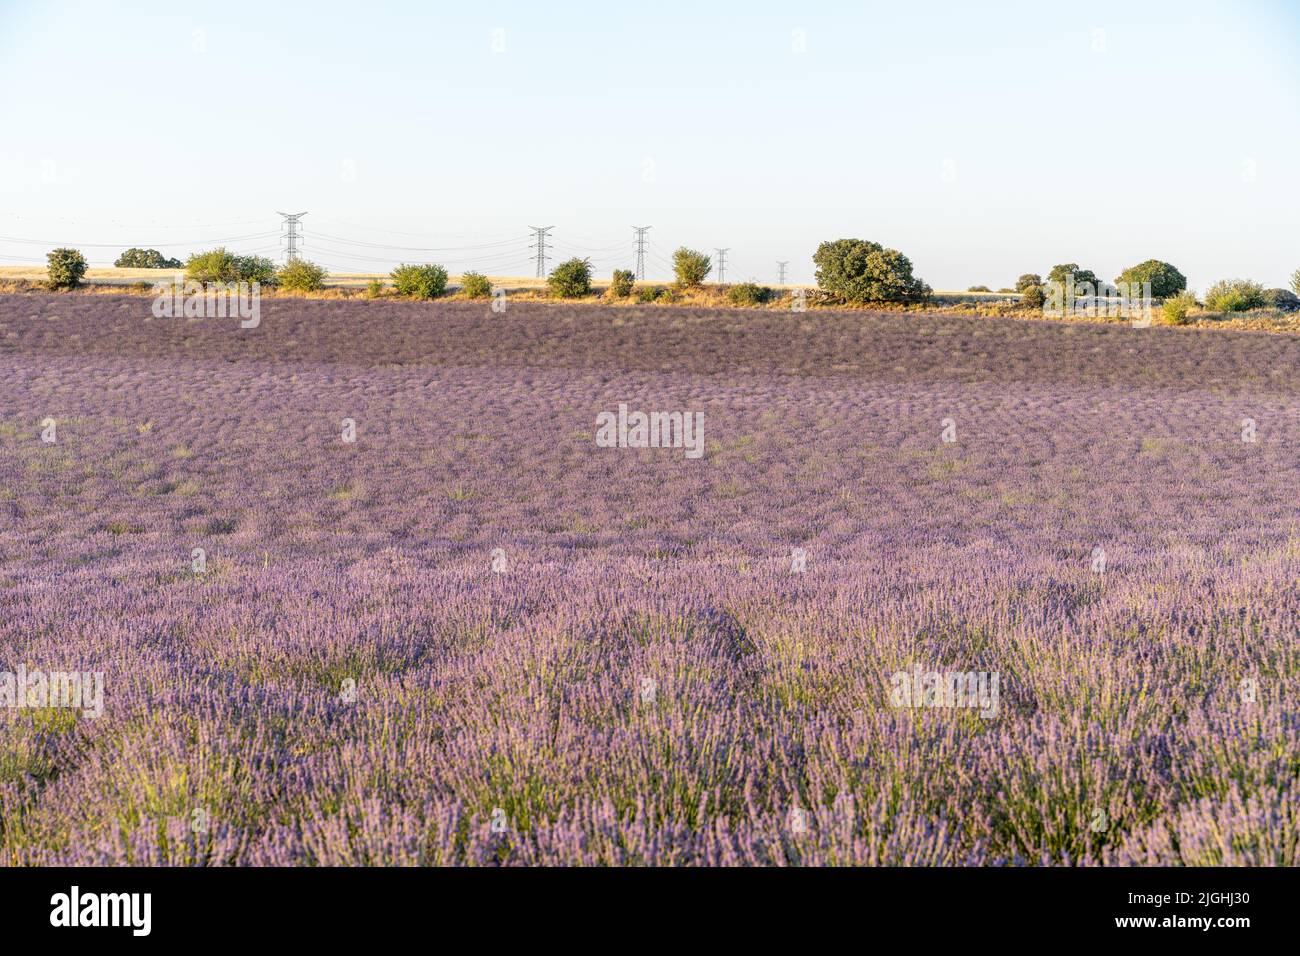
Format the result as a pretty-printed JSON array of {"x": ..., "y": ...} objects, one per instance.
[{"x": 470, "y": 636}]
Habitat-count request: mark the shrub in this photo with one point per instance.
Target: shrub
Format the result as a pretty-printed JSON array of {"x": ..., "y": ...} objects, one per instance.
[
  {"x": 1282, "y": 300},
  {"x": 1028, "y": 280},
  {"x": 475, "y": 285},
  {"x": 979, "y": 288},
  {"x": 301, "y": 276},
  {"x": 1033, "y": 296},
  {"x": 620, "y": 286},
  {"x": 1177, "y": 306},
  {"x": 145, "y": 259},
  {"x": 374, "y": 288},
  {"x": 1295, "y": 282},
  {"x": 1062, "y": 273},
  {"x": 691, "y": 267},
  {"x": 215, "y": 265},
  {"x": 66, "y": 268},
  {"x": 419, "y": 282},
  {"x": 571, "y": 279},
  {"x": 861, "y": 271},
  {"x": 1165, "y": 280},
  {"x": 748, "y": 293},
  {"x": 219, "y": 265},
  {"x": 255, "y": 269},
  {"x": 1234, "y": 295},
  {"x": 647, "y": 293}
]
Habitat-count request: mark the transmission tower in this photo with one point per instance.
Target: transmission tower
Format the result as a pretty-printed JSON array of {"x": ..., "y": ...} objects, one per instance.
[
  {"x": 539, "y": 243},
  {"x": 780, "y": 267},
  {"x": 722, "y": 265},
  {"x": 640, "y": 250},
  {"x": 291, "y": 235}
]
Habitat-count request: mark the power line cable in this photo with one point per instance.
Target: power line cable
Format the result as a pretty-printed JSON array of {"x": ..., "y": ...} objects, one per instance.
[
  {"x": 384, "y": 245},
  {"x": 118, "y": 245}
]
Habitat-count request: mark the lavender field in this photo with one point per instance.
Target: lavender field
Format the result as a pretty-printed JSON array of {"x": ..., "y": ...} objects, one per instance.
[{"x": 646, "y": 672}]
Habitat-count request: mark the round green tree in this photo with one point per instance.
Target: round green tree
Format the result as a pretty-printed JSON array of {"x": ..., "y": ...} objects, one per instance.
[
  {"x": 475, "y": 285},
  {"x": 419, "y": 282},
  {"x": 858, "y": 270},
  {"x": 1166, "y": 281},
  {"x": 299, "y": 275},
  {"x": 691, "y": 267},
  {"x": 1061, "y": 274},
  {"x": 66, "y": 268},
  {"x": 571, "y": 279}
]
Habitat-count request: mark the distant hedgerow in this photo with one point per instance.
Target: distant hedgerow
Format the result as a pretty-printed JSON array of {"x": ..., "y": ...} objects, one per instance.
[
  {"x": 571, "y": 279},
  {"x": 65, "y": 269},
  {"x": 475, "y": 285},
  {"x": 691, "y": 267},
  {"x": 979, "y": 288},
  {"x": 299, "y": 275},
  {"x": 419, "y": 282}
]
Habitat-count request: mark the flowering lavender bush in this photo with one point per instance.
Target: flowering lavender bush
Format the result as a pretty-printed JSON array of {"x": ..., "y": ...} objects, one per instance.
[{"x": 364, "y": 590}]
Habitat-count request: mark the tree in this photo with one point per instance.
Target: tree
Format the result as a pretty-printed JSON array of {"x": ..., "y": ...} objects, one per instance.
[
  {"x": 420, "y": 282},
  {"x": 748, "y": 293},
  {"x": 1060, "y": 274},
  {"x": 1284, "y": 300},
  {"x": 1295, "y": 282},
  {"x": 690, "y": 267},
  {"x": 571, "y": 279},
  {"x": 1033, "y": 296},
  {"x": 620, "y": 286},
  {"x": 66, "y": 268},
  {"x": 300, "y": 275},
  {"x": 145, "y": 259},
  {"x": 1234, "y": 295},
  {"x": 219, "y": 265},
  {"x": 1166, "y": 281},
  {"x": 215, "y": 265},
  {"x": 1027, "y": 280},
  {"x": 1176, "y": 307},
  {"x": 858, "y": 270},
  {"x": 255, "y": 269},
  {"x": 475, "y": 285}
]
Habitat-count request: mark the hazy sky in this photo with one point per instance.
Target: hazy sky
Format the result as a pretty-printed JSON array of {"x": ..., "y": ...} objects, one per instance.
[{"x": 982, "y": 139}]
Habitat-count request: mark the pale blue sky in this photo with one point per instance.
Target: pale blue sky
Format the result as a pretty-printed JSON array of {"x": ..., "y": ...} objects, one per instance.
[{"x": 983, "y": 140}]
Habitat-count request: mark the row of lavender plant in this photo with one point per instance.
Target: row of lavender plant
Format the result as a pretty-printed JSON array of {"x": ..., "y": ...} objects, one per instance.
[{"x": 458, "y": 630}]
